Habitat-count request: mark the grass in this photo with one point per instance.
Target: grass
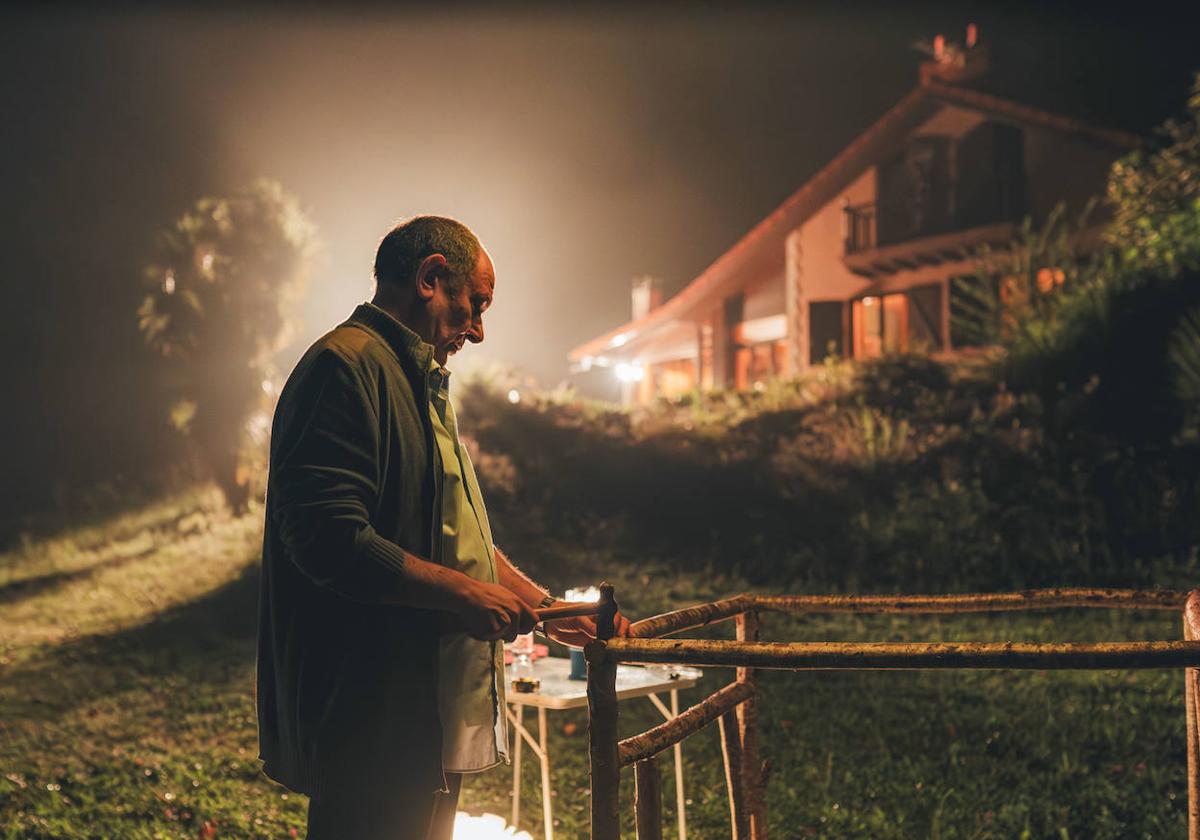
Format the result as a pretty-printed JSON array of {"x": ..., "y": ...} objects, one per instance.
[{"x": 126, "y": 707}]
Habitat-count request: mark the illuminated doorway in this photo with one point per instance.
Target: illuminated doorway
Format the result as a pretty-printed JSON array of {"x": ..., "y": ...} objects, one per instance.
[{"x": 880, "y": 325}]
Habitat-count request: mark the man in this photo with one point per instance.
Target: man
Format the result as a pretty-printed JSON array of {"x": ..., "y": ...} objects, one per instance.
[{"x": 383, "y": 600}]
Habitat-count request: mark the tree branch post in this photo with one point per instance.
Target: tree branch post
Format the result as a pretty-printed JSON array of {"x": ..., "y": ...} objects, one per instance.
[
  {"x": 1191, "y": 677},
  {"x": 731, "y": 750},
  {"x": 753, "y": 770},
  {"x": 648, "y": 801},
  {"x": 602, "y": 740}
]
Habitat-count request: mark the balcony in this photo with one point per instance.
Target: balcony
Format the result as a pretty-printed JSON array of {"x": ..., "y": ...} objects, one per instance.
[{"x": 883, "y": 239}]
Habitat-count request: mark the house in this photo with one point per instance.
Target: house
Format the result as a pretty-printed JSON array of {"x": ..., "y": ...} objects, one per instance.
[{"x": 859, "y": 261}]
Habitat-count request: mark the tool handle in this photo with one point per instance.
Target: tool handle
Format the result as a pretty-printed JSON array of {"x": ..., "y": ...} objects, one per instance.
[{"x": 568, "y": 611}]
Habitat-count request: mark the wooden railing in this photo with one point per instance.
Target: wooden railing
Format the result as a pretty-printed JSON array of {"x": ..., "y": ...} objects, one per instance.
[{"x": 735, "y": 708}]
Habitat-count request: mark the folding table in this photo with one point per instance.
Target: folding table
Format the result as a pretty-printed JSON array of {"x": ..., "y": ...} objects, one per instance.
[{"x": 558, "y": 692}]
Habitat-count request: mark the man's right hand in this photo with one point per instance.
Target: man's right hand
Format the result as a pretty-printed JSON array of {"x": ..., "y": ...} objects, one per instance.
[{"x": 489, "y": 611}]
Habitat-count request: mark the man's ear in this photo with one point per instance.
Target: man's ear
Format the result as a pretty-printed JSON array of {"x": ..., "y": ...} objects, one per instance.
[{"x": 432, "y": 269}]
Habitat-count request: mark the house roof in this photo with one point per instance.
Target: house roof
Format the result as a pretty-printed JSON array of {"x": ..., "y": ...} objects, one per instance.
[{"x": 761, "y": 250}]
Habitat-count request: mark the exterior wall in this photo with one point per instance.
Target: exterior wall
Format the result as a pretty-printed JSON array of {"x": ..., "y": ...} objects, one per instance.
[
  {"x": 1061, "y": 168},
  {"x": 764, "y": 299},
  {"x": 824, "y": 275},
  {"x": 816, "y": 271}
]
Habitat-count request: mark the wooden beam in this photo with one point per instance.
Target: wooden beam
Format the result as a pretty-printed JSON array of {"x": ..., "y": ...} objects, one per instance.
[
  {"x": 754, "y": 782},
  {"x": 909, "y": 655},
  {"x": 731, "y": 751},
  {"x": 1191, "y": 684},
  {"x": 687, "y": 618},
  {"x": 1030, "y": 599},
  {"x": 653, "y": 741},
  {"x": 602, "y": 742},
  {"x": 648, "y": 799}
]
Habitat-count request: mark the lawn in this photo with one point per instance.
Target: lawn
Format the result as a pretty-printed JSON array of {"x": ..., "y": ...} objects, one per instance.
[{"x": 126, "y": 707}]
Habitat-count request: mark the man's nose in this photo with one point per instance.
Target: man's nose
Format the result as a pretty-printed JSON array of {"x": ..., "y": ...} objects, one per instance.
[{"x": 475, "y": 334}]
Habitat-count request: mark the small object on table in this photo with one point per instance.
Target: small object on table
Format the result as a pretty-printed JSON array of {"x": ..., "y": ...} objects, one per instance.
[
  {"x": 522, "y": 648},
  {"x": 578, "y": 665},
  {"x": 539, "y": 650},
  {"x": 526, "y": 685}
]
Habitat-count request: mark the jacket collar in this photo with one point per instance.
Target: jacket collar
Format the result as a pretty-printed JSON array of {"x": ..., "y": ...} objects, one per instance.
[{"x": 406, "y": 344}]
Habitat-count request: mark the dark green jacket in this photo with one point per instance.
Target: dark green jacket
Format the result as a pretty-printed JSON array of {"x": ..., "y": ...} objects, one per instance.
[{"x": 347, "y": 680}]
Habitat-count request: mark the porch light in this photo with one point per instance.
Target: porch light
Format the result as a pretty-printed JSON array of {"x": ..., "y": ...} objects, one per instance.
[
  {"x": 514, "y": 396},
  {"x": 630, "y": 372}
]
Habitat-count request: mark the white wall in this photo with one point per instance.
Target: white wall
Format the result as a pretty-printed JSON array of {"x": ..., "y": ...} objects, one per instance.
[{"x": 823, "y": 275}]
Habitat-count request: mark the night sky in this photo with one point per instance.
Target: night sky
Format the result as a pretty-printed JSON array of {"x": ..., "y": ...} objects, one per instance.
[{"x": 584, "y": 147}]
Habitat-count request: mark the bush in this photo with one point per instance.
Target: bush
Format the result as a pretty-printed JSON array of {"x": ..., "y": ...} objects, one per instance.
[{"x": 917, "y": 475}]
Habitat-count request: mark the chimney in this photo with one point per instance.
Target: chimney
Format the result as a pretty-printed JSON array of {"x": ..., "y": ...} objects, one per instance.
[
  {"x": 951, "y": 63},
  {"x": 647, "y": 295}
]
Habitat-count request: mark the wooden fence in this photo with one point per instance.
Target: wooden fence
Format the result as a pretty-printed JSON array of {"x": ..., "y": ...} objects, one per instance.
[{"x": 735, "y": 709}]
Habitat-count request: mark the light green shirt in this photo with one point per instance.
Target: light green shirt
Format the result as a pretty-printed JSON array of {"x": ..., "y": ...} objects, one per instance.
[
  {"x": 470, "y": 672},
  {"x": 470, "y": 677}
]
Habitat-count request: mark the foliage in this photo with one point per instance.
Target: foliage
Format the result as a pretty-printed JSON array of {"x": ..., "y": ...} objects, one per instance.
[
  {"x": 1015, "y": 296},
  {"x": 220, "y": 291},
  {"x": 1184, "y": 355},
  {"x": 1098, "y": 329},
  {"x": 1156, "y": 198},
  {"x": 912, "y": 474}
]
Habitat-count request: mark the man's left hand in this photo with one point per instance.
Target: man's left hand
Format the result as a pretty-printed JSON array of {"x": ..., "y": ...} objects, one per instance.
[{"x": 577, "y": 632}]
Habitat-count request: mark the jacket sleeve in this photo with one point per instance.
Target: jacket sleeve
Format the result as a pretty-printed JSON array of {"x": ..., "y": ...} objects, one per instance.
[{"x": 325, "y": 480}]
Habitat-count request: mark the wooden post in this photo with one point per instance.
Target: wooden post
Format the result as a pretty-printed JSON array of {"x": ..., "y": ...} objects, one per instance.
[
  {"x": 602, "y": 742},
  {"x": 754, "y": 780},
  {"x": 731, "y": 748},
  {"x": 648, "y": 802},
  {"x": 608, "y": 612},
  {"x": 1191, "y": 677}
]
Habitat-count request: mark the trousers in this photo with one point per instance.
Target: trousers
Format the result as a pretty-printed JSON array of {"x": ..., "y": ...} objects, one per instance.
[{"x": 358, "y": 814}]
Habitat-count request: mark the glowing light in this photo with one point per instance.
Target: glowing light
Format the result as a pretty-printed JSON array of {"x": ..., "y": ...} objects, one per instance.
[
  {"x": 589, "y": 595},
  {"x": 870, "y": 301},
  {"x": 619, "y": 340},
  {"x": 169, "y": 283},
  {"x": 514, "y": 396},
  {"x": 485, "y": 827},
  {"x": 267, "y": 386},
  {"x": 585, "y": 364},
  {"x": 630, "y": 373},
  {"x": 207, "y": 262},
  {"x": 258, "y": 426}
]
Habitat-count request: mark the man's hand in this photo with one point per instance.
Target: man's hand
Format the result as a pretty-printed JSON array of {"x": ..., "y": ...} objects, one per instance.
[
  {"x": 577, "y": 632},
  {"x": 488, "y": 611}
]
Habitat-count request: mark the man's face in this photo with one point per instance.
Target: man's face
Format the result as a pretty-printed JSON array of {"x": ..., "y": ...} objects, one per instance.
[{"x": 458, "y": 314}]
